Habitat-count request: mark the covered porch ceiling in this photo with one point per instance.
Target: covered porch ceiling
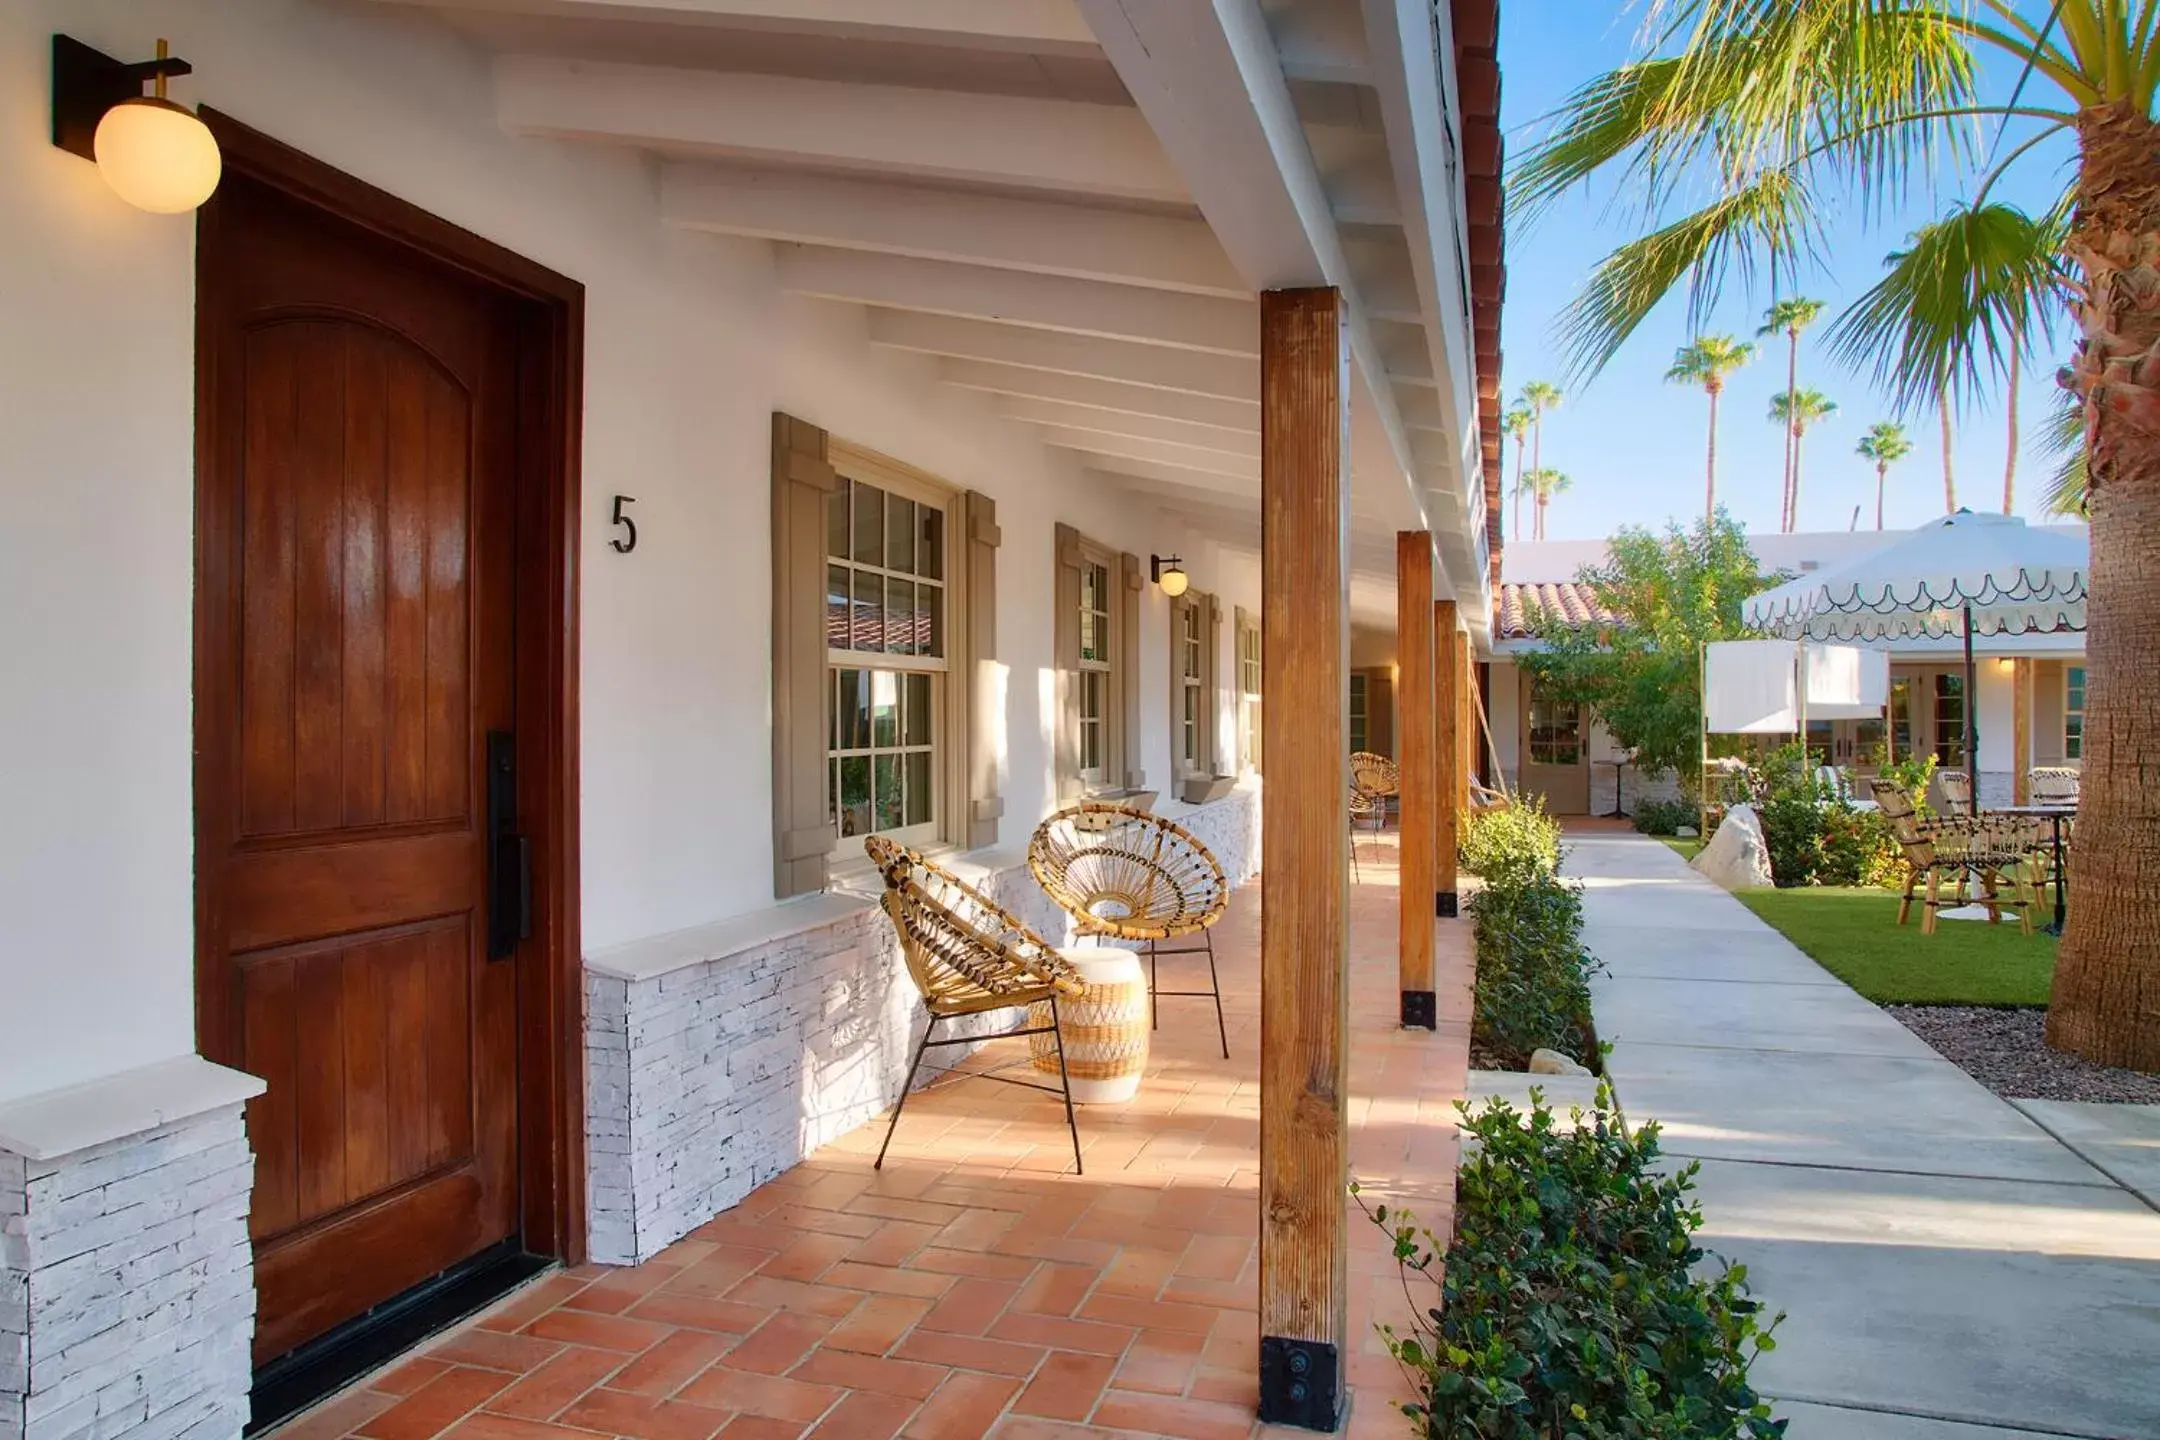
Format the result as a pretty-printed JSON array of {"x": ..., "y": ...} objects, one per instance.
[{"x": 1072, "y": 205}]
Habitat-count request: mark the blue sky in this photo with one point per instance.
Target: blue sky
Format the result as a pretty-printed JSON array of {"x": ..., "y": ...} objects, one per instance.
[{"x": 1631, "y": 443}]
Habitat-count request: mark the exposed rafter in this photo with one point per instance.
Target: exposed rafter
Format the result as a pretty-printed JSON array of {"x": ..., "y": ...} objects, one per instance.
[
  {"x": 1112, "y": 396},
  {"x": 1243, "y": 442},
  {"x": 1038, "y": 26},
  {"x": 1158, "y": 366}
]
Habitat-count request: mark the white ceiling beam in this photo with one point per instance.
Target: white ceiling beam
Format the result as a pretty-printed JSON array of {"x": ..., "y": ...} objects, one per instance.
[
  {"x": 1245, "y": 442},
  {"x": 1042, "y": 26},
  {"x": 1061, "y": 145},
  {"x": 1155, "y": 481},
  {"x": 1193, "y": 371},
  {"x": 1039, "y": 236},
  {"x": 1125, "y": 448},
  {"x": 1322, "y": 43},
  {"x": 1210, "y": 81},
  {"x": 1048, "y": 302},
  {"x": 1113, "y": 397}
]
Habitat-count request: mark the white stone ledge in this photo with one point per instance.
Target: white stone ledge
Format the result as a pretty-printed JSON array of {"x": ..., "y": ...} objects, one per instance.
[{"x": 54, "y": 1123}]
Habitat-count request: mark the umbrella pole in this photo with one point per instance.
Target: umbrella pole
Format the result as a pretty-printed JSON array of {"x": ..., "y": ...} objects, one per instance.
[{"x": 1972, "y": 705}]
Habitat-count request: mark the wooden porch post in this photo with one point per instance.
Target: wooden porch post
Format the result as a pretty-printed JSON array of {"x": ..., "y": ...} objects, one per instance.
[
  {"x": 1304, "y": 880},
  {"x": 2021, "y": 736},
  {"x": 1452, "y": 785},
  {"x": 1419, "y": 760}
]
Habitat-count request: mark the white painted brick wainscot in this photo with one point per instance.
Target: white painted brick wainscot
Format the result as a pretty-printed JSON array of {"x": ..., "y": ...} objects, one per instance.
[
  {"x": 127, "y": 1294},
  {"x": 718, "y": 1057}
]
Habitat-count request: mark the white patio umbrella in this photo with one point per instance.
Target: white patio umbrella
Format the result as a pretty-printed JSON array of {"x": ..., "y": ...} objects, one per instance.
[{"x": 1962, "y": 575}]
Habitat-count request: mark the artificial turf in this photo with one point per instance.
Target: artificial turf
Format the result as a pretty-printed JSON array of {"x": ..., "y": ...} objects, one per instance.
[{"x": 1854, "y": 934}]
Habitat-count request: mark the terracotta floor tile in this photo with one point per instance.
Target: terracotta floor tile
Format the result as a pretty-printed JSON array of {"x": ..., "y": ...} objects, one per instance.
[
  {"x": 531, "y": 1303},
  {"x": 1022, "y": 1427},
  {"x": 983, "y": 1267},
  {"x": 1067, "y": 1386},
  {"x": 486, "y": 1425},
  {"x": 780, "y": 1344},
  {"x": 970, "y": 1306},
  {"x": 773, "y": 1396},
  {"x": 885, "y": 1280},
  {"x": 964, "y": 1408},
  {"x": 601, "y": 1332},
  {"x": 672, "y": 1363},
  {"x": 1184, "y": 1419},
  {"x": 760, "y": 1427},
  {"x": 771, "y": 1294},
  {"x": 338, "y": 1416},
  {"x": 493, "y": 1350},
  {"x": 544, "y": 1392},
  {"x": 1149, "y": 1314},
  {"x": 1080, "y": 1335},
  {"x": 403, "y": 1379},
  {"x": 970, "y": 1352},
  {"x": 866, "y": 1415},
  {"x": 435, "y": 1406},
  {"x": 848, "y": 1370},
  {"x": 1161, "y": 1362},
  {"x": 897, "y": 1241},
  {"x": 611, "y": 1412},
  {"x": 697, "y": 1312},
  {"x": 808, "y": 1256},
  {"x": 877, "y": 1324},
  {"x": 1056, "y": 1290}
]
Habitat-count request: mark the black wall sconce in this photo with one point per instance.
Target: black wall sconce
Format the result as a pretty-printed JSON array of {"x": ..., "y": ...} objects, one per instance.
[
  {"x": 1169, "y": 572},
  {"x": 158, "y": 156}
]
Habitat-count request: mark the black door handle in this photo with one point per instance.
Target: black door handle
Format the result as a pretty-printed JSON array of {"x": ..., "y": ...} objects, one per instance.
[{"x": 509, "y": 884}]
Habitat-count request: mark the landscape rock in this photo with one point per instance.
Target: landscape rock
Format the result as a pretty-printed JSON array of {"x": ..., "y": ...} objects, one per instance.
[
  {"x": 1737, "y": 856},
  {"x": 1686, "y": 832},
  {"x": 1552, "y": 1062}
]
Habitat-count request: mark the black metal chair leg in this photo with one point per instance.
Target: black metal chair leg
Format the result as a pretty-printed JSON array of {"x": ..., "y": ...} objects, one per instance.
[
  {"x": 1152, "y": 1022},
  {"x": 1057, "y": 1033},
  {"x": 901, "y": 1103},
  {"x": 1215, "y": 983}
]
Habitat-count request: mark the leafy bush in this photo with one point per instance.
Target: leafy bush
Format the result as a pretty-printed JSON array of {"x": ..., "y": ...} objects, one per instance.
[
  {"x": 1533, "y": 974},
  {"x": 1568, "y": 1305},
  {"x": 1913, "y": 776},
  {"x": 1663, "y": 817},
  {"x": 1790, "y": 801},
  {"x": 1515, "y": 841},
  {"x": 1858, "y": 849}
]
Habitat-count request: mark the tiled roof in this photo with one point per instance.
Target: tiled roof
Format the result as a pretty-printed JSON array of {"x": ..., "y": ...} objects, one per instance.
[{"x": 1576, "y": 604}]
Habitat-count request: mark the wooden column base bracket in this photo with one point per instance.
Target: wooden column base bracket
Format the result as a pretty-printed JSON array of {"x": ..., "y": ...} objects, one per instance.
[
  {"x": 1420, "y": 1011},
  {"x": 1446, "y": 904},
  {"x": 1300, "y": 1384}
]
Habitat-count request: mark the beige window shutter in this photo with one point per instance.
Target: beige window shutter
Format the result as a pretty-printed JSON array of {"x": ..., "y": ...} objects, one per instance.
[
  {"x": 1380, "y": 710},
  {"x": 802, "y": 479},
  {"x": 986, "y": 806},
  {"x": 1130, "y": 595},
  {"x": 1210, "y": 686},
  {"x": 1066, "y": 693}
]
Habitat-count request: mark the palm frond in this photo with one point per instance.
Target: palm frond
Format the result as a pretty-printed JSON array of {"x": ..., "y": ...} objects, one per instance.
[{"x": 2062, "y": 439}]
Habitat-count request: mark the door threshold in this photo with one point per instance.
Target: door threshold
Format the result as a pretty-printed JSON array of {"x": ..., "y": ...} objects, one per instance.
[{"x": 327, "y": 1364}]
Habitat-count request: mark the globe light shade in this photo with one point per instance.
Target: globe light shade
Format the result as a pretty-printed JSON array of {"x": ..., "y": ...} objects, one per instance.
[
  {"x": 157, "y": 156},
  {"x": 1175, "y": 582}
]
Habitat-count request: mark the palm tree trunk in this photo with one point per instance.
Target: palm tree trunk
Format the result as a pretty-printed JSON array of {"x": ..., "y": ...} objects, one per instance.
[
  {"x": 1541, "y": 514},
  {"x": 2106, "y": 1000},
  {"x": 1790, "y": 516},
  {"x": 2010, "y": 456},
  {"x": 1709, "y": 504},
  {"x": 1942, "y": 408},
  {"x": 1516, "y": 528},
  {"x": 1882, "y": 472}
]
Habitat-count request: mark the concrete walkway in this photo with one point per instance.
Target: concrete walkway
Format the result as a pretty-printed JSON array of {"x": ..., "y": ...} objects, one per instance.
[{"x": 1949, "y": 1268}]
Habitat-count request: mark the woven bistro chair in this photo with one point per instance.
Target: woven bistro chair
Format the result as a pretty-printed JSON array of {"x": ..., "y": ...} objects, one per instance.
[
  {"x": 1990, "y": 847},
  {"x": 1380, "y": 779},
  {"x": 1362, "y": 807},
  {"x": 1957, "y": 791},
  {"x": 2053, "y": 784},
  {"x": 969, "y": 956},
  {"x": 1125, "y": 874}
]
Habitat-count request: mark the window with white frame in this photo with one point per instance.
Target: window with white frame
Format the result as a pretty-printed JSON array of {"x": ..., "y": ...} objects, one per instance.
[
  {"x": 1248, "y": 678},
  {"x": 887, "y": 617},
  {"x": 1360, "y": 712},
  {"x": 1097, "y": 672},
  {"x": 2073, "y": 712},
  {"x": 1192, "y": 683}
]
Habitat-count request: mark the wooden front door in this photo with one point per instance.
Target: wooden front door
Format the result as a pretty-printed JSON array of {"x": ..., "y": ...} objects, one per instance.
[
  {"x": 1555, "y": 752},
  {"x": 356, "y": 595}
]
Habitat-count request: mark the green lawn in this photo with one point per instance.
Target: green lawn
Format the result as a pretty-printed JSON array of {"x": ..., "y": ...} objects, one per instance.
[
  {"x": 1686, "y": 849},
  {"x": 1853, "y": 934}
]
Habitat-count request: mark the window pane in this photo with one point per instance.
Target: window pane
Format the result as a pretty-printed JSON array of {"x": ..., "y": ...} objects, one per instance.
[
  {"x": 869, "y": 524},
  {"x": 916, "y": 722},
  {"x": 884, "y": 708},
  {"x": 837, "y": 634},
  {"x": 1090, "y": 748},
  {"x": 919, "y": 789},
  {"x": 1091, "y": 695},
  {"x": 1091, "y": 588},
  {"x": 1090, "y": 640},
  {"x": 854, "y": 708},
  {"x": 855, "y": 795},
  {"x": 901, "y": 634},
  {"x": 832, "y": 792},
  {"x": 930, "y": 609},
  {"x": 836, "y": 513},
  {"x": 887, "y": 808},
  {"x": 900, "y": 535},
  {"x": 930, "y": 546},
  {"x": 869, "y": 629}
]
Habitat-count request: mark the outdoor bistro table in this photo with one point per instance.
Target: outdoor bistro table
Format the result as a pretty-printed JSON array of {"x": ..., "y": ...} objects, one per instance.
[{"x": 2055, "y": 815}]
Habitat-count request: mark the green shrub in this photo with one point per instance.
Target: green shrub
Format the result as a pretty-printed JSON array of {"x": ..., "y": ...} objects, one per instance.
[
  {"x": 1663, "y": 817},
  {"x": 1532, "y": 989},
  {"x": 1515, "y": 840},
  {"x": 1790, "y": 802},
  {"x": 1569, "y": 1303},
  {"x": 1913, "y": 776},
  {"x": 1858, "y": 849}
]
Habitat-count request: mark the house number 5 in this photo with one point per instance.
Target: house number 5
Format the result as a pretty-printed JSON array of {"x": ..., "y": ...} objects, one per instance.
[{"x": 628, "y": 542}]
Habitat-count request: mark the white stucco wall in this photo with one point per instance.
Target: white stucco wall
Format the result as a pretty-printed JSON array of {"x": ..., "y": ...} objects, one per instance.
[{"x": 688, "y": 350}]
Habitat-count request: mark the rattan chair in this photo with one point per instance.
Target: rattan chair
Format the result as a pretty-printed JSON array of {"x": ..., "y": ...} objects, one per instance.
[
  {"x": 1362, "y": 807},
  {"x": 1124, "y": 874},
  {"x": 1960, "y": 848},
  {"x": 2053, "y": 784},
  {"x": 968, "y": 956},
  {"x": 1957, "y": 791},
  {"x": 1381, "y": 780}
]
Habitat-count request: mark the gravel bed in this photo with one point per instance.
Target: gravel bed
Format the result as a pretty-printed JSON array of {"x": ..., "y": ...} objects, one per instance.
[{"x": 2005, "y": 1051}]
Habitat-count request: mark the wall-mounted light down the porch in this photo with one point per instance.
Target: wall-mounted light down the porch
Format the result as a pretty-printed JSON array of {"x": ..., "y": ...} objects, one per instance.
[
  {"x": 158, "y": 156},
  {"x": 1169, "y": 572}
]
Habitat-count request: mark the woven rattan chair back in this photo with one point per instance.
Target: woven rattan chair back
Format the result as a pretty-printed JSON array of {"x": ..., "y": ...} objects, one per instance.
[
  {"x": 964, "y": 951},
  {"x": 1376, "y": 775},
  {"x": 1127, "y": 874},
  {"x": 2054, "y": 784},
  {"x": 1957, "y": 790}
]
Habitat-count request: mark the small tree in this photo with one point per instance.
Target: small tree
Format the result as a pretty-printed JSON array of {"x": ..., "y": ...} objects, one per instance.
[{"x": 1674, "y": 593}]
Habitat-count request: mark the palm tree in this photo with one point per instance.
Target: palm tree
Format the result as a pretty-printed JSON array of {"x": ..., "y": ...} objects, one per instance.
[
  {"x": 1885, "y": 444},
  {"x": 1538, "y": 396},
  {"x": 1517, "y": 423},
  {"x": 1796, "y": 410},
  {"x": 1957, "y": 308},
  {"x": 1543, "y": 483},
  {"x": 1777, "y": 111},
  {"x": 1790, "y": 317},
  {"x": 1707, "y": 362},
  {"x": 2064, "y": 440}
]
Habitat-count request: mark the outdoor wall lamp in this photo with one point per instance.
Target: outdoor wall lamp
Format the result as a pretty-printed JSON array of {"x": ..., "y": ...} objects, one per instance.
[
  {"x": 1169, "y": 573},
  {"x": 156, "y": 155}
]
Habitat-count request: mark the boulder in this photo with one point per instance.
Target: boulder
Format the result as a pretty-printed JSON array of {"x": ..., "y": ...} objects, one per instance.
[
  {"x": 1552, "y": 1062},
  {"x": 1737, "y": 856}
]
